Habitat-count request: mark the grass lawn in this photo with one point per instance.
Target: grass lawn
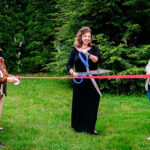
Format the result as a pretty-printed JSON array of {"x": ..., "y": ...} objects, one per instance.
[{"x": 36, "y": 116}]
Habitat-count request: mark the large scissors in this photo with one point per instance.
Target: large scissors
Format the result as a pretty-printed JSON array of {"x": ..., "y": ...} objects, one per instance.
[{"x": 90, "y": 73}]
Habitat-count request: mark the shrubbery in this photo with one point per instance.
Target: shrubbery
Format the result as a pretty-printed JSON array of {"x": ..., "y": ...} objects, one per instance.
[
  {"x": 120, "y": 34},
  {"x": 38, "y": 36}
]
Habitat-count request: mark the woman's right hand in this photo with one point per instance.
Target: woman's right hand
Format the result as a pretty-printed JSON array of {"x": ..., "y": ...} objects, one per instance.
[{"x": 74, "y": 74}]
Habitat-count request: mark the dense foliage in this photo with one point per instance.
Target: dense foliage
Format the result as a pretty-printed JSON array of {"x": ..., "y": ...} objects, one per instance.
[
  {"x": 121, "y": 30},
  {"x": 26, "y": 33},
  {"x": 39, "y": 35}
]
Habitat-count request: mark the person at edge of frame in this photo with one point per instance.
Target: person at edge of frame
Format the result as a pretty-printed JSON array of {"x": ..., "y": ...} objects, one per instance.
[
  {"x": 4, "y": 78},
  {"x": 147, "y": 85},
  {"x": 85, "y": 98}
]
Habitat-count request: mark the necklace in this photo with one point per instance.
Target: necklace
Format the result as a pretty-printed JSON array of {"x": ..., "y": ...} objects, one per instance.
[{"x": 84, "y": 47}]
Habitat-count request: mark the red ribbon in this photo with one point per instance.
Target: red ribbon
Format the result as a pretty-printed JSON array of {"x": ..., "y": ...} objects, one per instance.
[{"x": 95, "y": 77}]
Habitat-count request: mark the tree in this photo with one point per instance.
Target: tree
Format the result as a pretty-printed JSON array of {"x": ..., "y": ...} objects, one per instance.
[
  {"x": 26, "y": 33},
  {"x": 118, "y": 33}
]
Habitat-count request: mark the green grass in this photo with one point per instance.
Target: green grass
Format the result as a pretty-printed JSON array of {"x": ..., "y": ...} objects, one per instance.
[{"x": 36, "y": 116}]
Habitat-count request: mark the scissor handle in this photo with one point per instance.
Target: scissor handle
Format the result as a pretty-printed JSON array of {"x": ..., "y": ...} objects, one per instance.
[
  {"x": 85, "y": 62},
  {"x": 79, "y": 75}
]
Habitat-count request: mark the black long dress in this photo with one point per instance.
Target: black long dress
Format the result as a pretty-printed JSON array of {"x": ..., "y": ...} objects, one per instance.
[{"x": 85, "y": 97}]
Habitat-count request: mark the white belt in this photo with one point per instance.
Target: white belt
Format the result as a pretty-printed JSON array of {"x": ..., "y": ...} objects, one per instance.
[{"x": 1, "y": 74}]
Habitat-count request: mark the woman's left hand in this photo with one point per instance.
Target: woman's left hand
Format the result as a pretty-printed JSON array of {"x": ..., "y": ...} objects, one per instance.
[
  {"x": 84, "y": 52},
  {"x": 12, "y": 79}
]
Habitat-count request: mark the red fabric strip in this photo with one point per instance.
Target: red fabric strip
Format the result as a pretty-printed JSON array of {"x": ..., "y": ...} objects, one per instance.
[{"x": 95, "y": 77}]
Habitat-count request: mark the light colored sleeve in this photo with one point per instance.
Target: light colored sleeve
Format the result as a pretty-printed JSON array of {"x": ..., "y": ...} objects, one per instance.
[{"x": 148, "y": 66}]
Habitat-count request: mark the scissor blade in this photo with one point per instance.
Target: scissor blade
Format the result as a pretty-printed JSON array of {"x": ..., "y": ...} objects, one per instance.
[
  {"x": 95, "y": 72},
  {"x": 96, "y": 86},
  {"x": 92, "y": 72},
  {"x": 94, "y": 83}
]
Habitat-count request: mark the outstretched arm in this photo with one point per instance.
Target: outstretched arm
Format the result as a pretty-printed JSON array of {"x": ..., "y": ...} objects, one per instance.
[{"x": 7, "y": 77}]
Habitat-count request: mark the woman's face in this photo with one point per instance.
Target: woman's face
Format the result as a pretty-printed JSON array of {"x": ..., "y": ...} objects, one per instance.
[{"x": 86, "y": 38}]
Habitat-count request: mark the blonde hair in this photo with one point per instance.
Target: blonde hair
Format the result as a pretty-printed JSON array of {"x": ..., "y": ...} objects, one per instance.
[{"x": 78, "y": 40}]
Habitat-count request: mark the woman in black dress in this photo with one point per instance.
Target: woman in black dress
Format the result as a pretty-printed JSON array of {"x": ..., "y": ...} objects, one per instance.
[{"x": 85, "y": 97}]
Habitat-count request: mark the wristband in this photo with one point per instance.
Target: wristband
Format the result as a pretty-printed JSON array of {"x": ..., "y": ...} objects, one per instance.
[{"x": 5, "y": 78}]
